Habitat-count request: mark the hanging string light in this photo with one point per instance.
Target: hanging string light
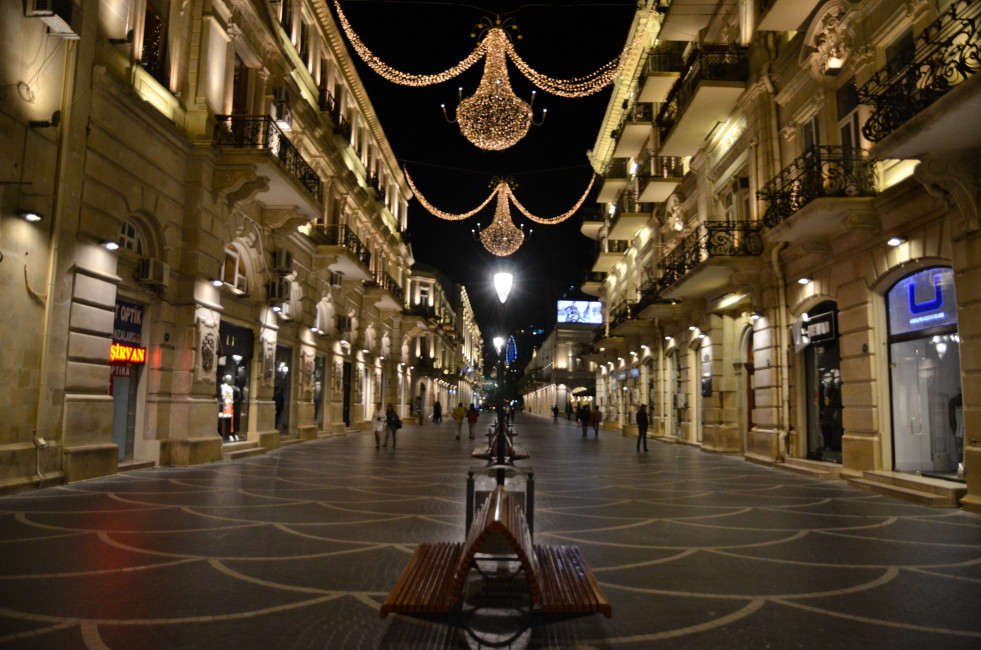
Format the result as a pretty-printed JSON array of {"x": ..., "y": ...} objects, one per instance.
[
  {"x": 494, "y": 117},
  {"x": 501, "y": 237}
]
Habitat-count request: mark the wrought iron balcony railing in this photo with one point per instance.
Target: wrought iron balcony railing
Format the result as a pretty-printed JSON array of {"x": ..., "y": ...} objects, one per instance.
[
  {"x": 422, "y": 311},
  {"x": 341, "y": 126},
  {"x": 394, "y": 288},
  {"x": 650, "y": 294},
  {"x": 260, "y": 132},
  {"x": 709, "y": 240},
  {"x": 621, "y": 313},
  {"x": 666, "y": 57},
  {"x": 704, "y": 64},
  {"x": 639, "y": 112},
  {"x": 341, "y": 235},
  {"x": 946, "y": 54},
  {"x": 659, "y": 167},
  {"x": 596, "y": 276},
  {"x": 326, "y": 101},
  {"x": 613, "y": 246},
  {"x": 627, "y": 201},
  {"x": 821, "y": 171},
  {"x": 593, "y": 214},
  {"x": 616, "y": 168}
]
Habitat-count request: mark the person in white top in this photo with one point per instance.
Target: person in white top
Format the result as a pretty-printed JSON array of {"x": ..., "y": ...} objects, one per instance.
[{"x": 378, "y": 423}]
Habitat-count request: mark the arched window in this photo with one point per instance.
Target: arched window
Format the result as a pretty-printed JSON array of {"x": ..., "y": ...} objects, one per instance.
[
  {"x": 131, "y": 237},
  {"x": 235, "y": 272}
]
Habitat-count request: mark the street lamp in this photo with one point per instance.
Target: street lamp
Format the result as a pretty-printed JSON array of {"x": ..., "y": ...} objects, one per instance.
[{"x": 503, "y": 281}]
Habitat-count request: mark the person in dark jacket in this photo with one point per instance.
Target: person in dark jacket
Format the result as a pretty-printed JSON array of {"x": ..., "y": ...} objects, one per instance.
[{"x": 642, "y": 424}]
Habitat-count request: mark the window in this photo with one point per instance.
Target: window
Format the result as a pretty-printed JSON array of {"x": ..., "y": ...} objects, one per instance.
[
  {"x": 900, "y": 52},
  {"x": 131, "y": 238},
  {"x": 286, "y": 18},
  {"x": 809, "y": 133},
  {"x": 846, "y": 102},
  {"x": 234, "y": 272},
  {"x": 735, "y": 200},
  {"x": 154, "y": 47}
]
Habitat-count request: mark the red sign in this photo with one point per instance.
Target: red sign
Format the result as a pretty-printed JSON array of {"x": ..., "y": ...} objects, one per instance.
[{"x": 120, "y": 353}]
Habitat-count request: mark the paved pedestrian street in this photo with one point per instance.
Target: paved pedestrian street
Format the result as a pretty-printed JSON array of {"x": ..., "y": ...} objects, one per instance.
[{"x": 298, "y": 548}]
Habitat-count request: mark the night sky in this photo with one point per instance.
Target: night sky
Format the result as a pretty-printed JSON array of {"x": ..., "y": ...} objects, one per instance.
[{"x": 550, "y": 165}]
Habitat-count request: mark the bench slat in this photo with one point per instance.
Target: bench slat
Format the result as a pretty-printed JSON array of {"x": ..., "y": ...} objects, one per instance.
[
  {"x": 569, "y": 583},
  {"x": 423, "y": 587}
]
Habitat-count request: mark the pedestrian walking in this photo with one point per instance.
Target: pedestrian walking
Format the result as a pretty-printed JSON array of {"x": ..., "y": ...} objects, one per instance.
[
  {"x": 642, "y": 423},
  {"x": 393, "y": 424},
  {"x": 472, "y": 415},
  {"x": 555, "y": 413},
  {"x": 378, "y": 423},
  {"x": 595, "y": 418},
  {"x": 437, "y": 411},
  {"x": 458, "y": 414},
  {"x": 583, "y": 416}
]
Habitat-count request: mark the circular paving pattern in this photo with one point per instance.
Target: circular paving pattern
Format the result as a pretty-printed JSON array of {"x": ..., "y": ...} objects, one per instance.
[{"x": 298, "y": 549}]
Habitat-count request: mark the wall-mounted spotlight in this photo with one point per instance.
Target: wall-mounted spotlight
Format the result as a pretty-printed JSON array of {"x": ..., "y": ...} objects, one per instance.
[
  {"x": 30, "y": 215},
  {"x": 804, "y": 281},
  {"x": 215, "y": 282},
  {"x": 43, "y": 124},
  {"x": 123, "y": 41},
  {"x": 276, "y": 307},
  {"x": 110, "y": 245},
  {"x": 896, "y": 241},
  {"x": 754, "y": 316}
]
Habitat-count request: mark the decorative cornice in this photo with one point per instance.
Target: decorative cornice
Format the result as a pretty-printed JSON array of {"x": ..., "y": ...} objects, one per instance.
[{"x": 954, "y": 179}]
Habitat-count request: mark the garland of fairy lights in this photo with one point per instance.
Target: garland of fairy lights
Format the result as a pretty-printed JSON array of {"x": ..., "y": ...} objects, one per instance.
[
  {"x": 494, "y": 117},
  {"x": 501, "y": 237}
]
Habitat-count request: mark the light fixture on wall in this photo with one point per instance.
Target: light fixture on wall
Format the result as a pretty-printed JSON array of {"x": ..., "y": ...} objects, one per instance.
[
  {"x": 896, "y": 241},
  {"x": 30, "y": 215},
  {"x": 217, "y": 283},
  {"x": 110, "y": 245},
  {"x": 43, "y": 124},
  {"x": 123, "y": 41},
  {"x": 804, "y": 281},
  {"x": 754, "y": 316}
]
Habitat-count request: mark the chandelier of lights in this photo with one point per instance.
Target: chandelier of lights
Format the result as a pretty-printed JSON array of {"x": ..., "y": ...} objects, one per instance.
[
  {"x": 501, "y": 237},
  {"x": 494, "y": 117}
]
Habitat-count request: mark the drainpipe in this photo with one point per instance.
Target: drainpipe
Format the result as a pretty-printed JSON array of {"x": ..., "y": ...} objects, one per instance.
[{"x": 783, "y": 373}]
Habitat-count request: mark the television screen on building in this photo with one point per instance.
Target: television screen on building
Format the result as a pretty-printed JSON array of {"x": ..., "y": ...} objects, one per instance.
[{"x": 580, "y": 311}]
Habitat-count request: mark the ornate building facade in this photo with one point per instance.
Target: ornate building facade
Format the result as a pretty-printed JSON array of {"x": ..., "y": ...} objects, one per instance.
[
  {"x": 202, "y": 237},
  {"x": 787, "y": 250}
]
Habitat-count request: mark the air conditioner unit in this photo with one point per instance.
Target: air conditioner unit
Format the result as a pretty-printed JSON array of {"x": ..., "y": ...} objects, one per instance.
[
  {"x": 63, "y": 17},
  {"x": 282, "y": 260},
  {"x": 153, "y": 272},
  {"x": 279, "y": 291}
]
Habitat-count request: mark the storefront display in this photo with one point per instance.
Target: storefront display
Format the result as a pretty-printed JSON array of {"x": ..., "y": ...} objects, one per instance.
[
  {"x": 126, "y": 358},
  {"x": 816, "y": 335},
  {"x": 232, "y": 380},
  {"x": 924, "y": 352}
]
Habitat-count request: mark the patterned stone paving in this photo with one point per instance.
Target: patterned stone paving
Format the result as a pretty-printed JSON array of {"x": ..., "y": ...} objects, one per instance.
[{"x": 298, "y": 548}]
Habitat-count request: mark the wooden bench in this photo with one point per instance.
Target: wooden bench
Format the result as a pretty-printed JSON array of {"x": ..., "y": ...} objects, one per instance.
[{"x": 558, "y": 578}]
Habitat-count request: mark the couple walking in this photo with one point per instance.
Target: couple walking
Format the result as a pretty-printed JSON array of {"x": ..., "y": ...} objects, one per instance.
[
  {"x": 471, "y": 414},
  {"x": 387, "y": 421}
]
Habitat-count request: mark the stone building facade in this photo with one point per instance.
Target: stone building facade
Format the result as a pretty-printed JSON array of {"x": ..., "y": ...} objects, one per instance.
[
  {"x": 787, "y": 250},
  {"x": 219, "y": 264}
]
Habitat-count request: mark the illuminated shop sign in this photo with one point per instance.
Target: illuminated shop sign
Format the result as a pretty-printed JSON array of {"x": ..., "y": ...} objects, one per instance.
[
  {"x": 579, "y": 311},
  {"x": 128, "y": 323},
  {"x": 635, "y": 372},
  {"x": 922, "y": 301},
  {"x": 119, "y": 353}
]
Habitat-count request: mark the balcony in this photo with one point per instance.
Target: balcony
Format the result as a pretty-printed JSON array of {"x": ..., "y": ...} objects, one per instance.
[
  {"x": 609, "y": 255},
  {"x": 662, "y": 68},
  {"x": 784, "y": 15},
  {"x": 384, "y": 292},
  {"x": 348, "y": 255},
  {"x": 634, "y": 130},
  {"x": 603, "y": 337},
  {"x": 927, "y": 104},
  {"x": 704, "y": 96},
  {"x": 593, "y": 220},
  {"x": 625, "y": 320},
  {"x": 614, "y": 180},
  {"x": 704, "y": 260},
  {"x": 652, "y": 305},
  {"x": 255, "y": 141},
  {"x": 425, "y": 313},
  {"x": 658, "y": 177},
  {"x": 593, "y": 284},
  {"x": 630, "y": 216},
  {"x": 820, "y": 194}
]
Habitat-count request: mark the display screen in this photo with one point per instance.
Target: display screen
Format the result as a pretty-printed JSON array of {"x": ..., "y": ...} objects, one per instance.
[{"x": 580, "y": 311}]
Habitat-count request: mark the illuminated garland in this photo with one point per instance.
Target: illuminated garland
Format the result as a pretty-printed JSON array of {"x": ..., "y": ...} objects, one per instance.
[
  {"x": 501, "y": 237},
  {"x": 493, "y": 117}
]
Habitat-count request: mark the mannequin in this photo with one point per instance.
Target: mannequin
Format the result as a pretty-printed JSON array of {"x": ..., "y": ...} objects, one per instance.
[{"x": 226, "y": 405}]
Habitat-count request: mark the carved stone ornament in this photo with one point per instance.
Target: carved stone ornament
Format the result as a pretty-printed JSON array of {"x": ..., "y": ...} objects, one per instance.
[
  {"x": 306, "y": 368},
  {"x": 789, "y": 132},
  {"x": 954, "y": 179},
  {"x": 337, "y": 377},
  {"x": 283, "y": 221},
  {"x": 206, "y": 349},
  {"x": 268, "y": 361},
  {"x": 829, "y": 40}
]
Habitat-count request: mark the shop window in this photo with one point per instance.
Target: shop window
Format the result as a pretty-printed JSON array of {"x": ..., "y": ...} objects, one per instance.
[
  {"x": 925, "y": 375},
  {"x": 235, "y": 271}
]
